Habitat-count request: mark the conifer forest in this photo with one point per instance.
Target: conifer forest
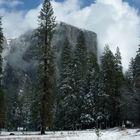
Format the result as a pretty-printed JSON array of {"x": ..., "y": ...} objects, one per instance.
[{"x": 55, "y": 78}]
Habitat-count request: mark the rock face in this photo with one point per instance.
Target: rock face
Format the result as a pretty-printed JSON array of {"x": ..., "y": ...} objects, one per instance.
[{"x": 22, "y": 58}]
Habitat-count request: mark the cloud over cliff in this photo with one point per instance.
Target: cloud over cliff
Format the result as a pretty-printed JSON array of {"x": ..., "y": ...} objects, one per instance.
[{"x": 115, "y": 22}]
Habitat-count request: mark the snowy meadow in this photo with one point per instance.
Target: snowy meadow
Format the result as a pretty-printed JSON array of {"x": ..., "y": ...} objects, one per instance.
[{"x": 108, "y": 134}]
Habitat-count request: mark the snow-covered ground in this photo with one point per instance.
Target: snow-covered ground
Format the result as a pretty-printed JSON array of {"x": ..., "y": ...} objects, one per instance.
[{"x": 110, "y": 134}]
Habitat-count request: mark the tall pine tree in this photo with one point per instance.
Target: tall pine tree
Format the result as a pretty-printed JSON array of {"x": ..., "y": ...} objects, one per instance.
[
  {"x": 107, "y": 87},
  {"x": 79, "y": 66},
  {"x": 46, "y": 64},
  {"x": 137, "y": 64},
  {"x": 110, "y": 87},
  {"x": 129, "y": 75},
  {"x": 118, "y": 84},
  {"x": 2, "y": 99},
  {"x": 137, "y": 77},
  {"x": 129, "y": 98},
  {"x": 90, "y": 100},
  {"x": 64, "y": 110}
]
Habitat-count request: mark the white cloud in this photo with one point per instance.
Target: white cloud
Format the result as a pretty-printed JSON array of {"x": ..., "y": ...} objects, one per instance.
[
  {"x": 16, "y": 23},
  {"x": 10, "y": 3},
  {"x": 115, "y": 22}
]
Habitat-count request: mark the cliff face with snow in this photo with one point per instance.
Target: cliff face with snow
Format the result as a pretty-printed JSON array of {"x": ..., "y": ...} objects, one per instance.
[{"x": 21, "y": 58}]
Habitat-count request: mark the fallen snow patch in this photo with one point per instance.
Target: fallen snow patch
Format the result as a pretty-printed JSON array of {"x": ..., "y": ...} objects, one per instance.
[{"x": 110, "y": 134}]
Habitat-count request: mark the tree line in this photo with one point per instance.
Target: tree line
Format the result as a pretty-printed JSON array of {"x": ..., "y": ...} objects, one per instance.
[{"x": 86, "y": 94}]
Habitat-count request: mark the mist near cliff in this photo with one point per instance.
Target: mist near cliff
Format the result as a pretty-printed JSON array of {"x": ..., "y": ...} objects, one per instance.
[{"x": 115, "y": 22}]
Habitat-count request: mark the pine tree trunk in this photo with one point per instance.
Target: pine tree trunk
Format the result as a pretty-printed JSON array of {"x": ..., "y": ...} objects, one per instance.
[
  {"x": 42, "y": 130},
  {"x": 43, "y": 116}
]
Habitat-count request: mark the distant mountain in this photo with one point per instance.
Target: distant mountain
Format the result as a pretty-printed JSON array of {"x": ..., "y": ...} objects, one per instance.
[{"x": 21, "y": 55}]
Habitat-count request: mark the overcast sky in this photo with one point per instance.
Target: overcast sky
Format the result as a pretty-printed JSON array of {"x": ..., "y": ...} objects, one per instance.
[{"x": 116, "y": 22}]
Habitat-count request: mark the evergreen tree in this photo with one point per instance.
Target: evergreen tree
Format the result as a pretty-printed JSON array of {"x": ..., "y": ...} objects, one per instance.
[
  {"x": 118, "y": 65},
  {"x": 25, "y": 99},
  {"x": 129, "y": 74},
  {"x": 35, "y": 110},
  {"x": 1, "y": 49},
  {"x": 137, "y": 64},
  {"x": 90, "y": 101},
  {"x": 79, "y": 66},
  {"x": 137, "y": 78},
  {"x": 64, "y": 112},
  {"x": 118, "y": 84},
  {"x": 110, "y": 87},
  {"x": 129, "y": 99},
  {"x": 2, "y": 109},
  {"x": 46, "y": 64},
  {"x": 14, "y": 116},
  {"x": 107, "y": 87},
  {"x": 13, "y": 104},
  {"x": 2, "y": 98}
]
